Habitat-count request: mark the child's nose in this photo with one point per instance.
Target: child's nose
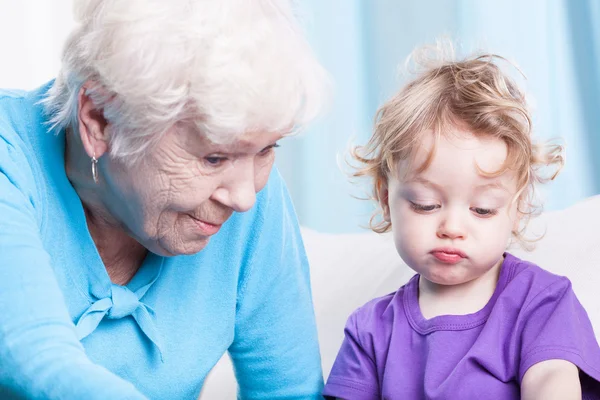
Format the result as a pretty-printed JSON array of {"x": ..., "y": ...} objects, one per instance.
[{"x": 452, "y": 227}]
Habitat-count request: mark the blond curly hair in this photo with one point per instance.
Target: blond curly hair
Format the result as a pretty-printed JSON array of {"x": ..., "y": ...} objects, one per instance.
[{"x": 472, "y": 93}]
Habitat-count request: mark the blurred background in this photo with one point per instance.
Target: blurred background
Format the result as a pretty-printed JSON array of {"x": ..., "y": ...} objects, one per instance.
[{"x": 363, "y": 44}]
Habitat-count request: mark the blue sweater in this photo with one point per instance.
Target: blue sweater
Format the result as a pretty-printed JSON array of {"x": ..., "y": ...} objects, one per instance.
[{"x": 67, "y": 332}]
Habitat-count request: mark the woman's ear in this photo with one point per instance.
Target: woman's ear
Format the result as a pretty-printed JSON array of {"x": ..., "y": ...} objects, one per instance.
[
  {"x": 383, "y": 197},
  {"x": 92, "y": 124}
]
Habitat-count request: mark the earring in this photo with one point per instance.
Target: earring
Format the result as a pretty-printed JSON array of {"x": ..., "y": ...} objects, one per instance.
[{"x": 95, "y": 168}]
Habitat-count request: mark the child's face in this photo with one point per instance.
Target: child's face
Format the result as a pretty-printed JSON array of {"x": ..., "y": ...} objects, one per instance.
[{"x": 450, "y": 223}]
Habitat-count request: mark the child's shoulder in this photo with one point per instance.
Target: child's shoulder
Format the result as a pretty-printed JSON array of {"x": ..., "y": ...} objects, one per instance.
[
  {"x": 527, "y": 292},
  {"x": 531, "y": 280}
]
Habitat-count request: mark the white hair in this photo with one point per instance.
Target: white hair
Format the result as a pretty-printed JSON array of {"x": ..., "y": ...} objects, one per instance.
[{"x": 227, "y": 66}]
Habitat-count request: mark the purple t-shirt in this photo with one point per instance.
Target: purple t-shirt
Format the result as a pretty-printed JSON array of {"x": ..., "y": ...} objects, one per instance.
[{"x": 391, "y": 351}]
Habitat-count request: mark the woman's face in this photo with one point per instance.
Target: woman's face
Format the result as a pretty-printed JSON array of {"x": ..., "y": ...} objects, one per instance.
[{"x": 181, "y": 193}]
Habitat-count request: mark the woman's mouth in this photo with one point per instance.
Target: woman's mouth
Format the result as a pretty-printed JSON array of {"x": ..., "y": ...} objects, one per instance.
[{"x": 206, "y": 228}]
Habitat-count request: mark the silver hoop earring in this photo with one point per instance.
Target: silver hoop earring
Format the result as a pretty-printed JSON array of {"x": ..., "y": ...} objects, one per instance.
[{"x": 95, "y": 169}]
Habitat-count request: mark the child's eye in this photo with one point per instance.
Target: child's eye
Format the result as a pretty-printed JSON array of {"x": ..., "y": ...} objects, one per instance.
[
  {"x": 483, "y": 212},
  {"x": 423, "y": 207}
]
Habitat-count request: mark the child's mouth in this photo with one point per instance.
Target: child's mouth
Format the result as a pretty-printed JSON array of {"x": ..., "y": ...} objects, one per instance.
[{"x": 448, "y": 256}]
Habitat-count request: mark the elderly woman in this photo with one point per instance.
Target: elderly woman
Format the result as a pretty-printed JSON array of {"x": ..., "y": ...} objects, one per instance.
[{"x": 143, "y": 229}]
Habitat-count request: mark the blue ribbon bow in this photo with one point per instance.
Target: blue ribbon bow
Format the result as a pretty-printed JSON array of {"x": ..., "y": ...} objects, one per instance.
[{"x": 121, "y": 303}]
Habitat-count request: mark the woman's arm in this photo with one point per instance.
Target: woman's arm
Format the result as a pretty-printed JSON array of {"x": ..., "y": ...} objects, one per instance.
[
  {"x": 551, "y": 380},
  {"x": 275, "y": 350},
  {"x": 40, "y": 356}
]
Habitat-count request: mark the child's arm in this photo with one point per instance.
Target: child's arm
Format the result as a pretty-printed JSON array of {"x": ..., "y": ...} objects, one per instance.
[
  {"x": 560, "y": 356},
  {"x": 552, "y": 379},
  {"x": 354, "y": 372}
]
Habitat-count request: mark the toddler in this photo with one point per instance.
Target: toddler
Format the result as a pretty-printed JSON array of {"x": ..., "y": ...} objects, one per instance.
[{"x": 453, "y": 168}]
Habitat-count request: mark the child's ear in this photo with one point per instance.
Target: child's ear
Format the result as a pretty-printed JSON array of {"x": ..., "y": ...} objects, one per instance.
[
  {"x": 518, "y": 218},
  {"x": 383, "y": 196},
  {"x": 516, "y": 222}
]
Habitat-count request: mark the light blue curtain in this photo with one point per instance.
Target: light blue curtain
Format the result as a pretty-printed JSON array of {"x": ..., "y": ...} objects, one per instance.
[
  {"x": 556, "y": 43},
  {"x": 584, "y": 22}
]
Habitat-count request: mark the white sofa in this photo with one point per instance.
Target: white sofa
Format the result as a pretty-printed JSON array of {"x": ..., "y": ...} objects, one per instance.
[{"x": 348, "y": 270}]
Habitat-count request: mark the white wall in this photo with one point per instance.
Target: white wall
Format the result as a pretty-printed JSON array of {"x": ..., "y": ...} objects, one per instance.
[{"x": 31, "y": 37}]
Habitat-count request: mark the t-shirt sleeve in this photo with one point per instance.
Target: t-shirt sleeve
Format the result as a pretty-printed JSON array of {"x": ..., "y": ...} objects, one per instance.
[
  {"x": 275, "y": 350},
  {"x": 40, "y": 356},
  {"x": 354, "y": 373},
  {"x": 556, "y": 326}
]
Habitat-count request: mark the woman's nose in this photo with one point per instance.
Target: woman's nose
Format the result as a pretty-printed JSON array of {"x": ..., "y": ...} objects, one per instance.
[{"x": 238, "y": 190}]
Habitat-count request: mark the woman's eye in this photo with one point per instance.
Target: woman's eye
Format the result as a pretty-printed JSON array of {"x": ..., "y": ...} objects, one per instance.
[
  {"x": 268, "y": 149},
  {"x": 214, "y": 161},
  {"x": 423, "y": 207},
  {"x": 484, "y": 212}
]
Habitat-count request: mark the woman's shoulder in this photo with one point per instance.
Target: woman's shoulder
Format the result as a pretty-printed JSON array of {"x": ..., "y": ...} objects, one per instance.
[
  {"x": 13, "y": 116},
  {"x": 22, "y": 122},
  {"x": 7, "y": 94},
  {"x": 14, "y": 147},
  {"x": 20, "y": 111},
  {"x": 22, "y": 133}
]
